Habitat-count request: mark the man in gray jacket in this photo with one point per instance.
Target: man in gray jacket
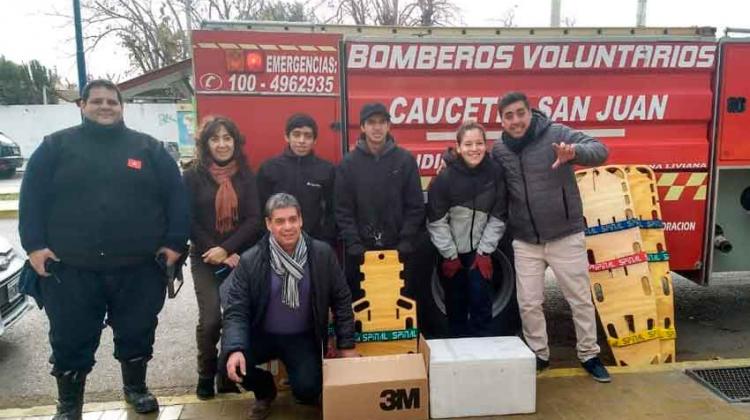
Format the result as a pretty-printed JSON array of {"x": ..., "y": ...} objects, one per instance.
[{"x": 545, "y": 215}]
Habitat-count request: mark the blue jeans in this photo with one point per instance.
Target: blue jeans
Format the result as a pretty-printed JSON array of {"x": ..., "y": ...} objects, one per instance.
[
  {"x": 468, "y": 301},
  {"x": 301, "y": 355}
]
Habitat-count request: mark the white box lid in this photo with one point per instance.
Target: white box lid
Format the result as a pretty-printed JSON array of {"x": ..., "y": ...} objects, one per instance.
[{"x": 478, "y": 349}]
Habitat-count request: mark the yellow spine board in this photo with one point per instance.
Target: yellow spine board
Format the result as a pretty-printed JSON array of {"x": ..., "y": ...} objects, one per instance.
[
  {"x": 605, "y": 194},
  {"x": 661, "y": 282},
  {"x": 614, "y": 245},
  {"x": 383, "y": 307},
  {"x": 642, "y": 182},
  {"x": 623, "y": 296},
  {"x": 626, "y": 306},
  {"x": 383, "y": 348}
]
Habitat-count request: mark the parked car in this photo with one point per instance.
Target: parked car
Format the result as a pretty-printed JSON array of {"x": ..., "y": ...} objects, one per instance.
[
  {"x": 13, "y": 304},
  {"x": 10, "y": 156}
]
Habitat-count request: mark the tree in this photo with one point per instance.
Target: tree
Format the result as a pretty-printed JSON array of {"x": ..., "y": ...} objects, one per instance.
[
  {"x": 391, "y": 12},
  {"x": 26, "y": 84},
  {"x": 436, "y": 12},
  {"x": 153, "y": 32},
  {"x": 569, "y": 22},
  {"x": 509, "y": 17}
]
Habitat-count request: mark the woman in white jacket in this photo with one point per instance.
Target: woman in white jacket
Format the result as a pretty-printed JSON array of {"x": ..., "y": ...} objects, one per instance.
[{"x": 466, "y": 212}]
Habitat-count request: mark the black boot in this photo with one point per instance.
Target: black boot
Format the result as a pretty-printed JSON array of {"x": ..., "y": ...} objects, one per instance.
[
  {"x": 224, "y": 385},
  {"x": 205, "y": 388},
  {"x": 134, "y": 386},
  {"x": 70, "y": 388}
]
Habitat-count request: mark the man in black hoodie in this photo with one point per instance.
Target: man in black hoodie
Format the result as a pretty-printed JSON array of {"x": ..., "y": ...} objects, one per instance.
[
  {"x": 99, "y": 202},
  {"x": 379, "y": 201},
  {"x": 299, "y": 172}
]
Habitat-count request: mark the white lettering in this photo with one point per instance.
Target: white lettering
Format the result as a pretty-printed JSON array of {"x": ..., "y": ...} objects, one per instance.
[
  {"x": 504, "y": 56},
  {"x": 427, "y": 57},
  {"x": 379, "y": 57},
  {"x": 471, "y": 108},
  {"x": 398, "y": 116},
  {"x": 530, "y": 58},
  {"x": 679, "y": 226},
  {"x": 464, "y": 57},
  {"x": 706, "y": 56},
  {"x": 401, "y": 59},
  {"x": 631, "y": 107},
  {"x": 688, "y": 56},
  {"x": 416, "y": 114},
  {"x": 658, "y": 107},
  {"x": 550, "y": 57},
  {"x": 452, "y": 117},
  {"x": 580, "y": 62},
  {"x": 358, "y": 56},
  {"x": 449, "y": 57},
  {"x": 435, "y": 113},
  {"x": 484, "y": 57},
  {"x": 642, "y": 56},
  {"x": 661, "y": 56},
  {"x": 565, "y": 62},
  {"x": 445, "y": 57}
]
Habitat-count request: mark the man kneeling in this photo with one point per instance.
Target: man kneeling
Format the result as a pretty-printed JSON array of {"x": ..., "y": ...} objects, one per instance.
[{"x": 276, "y": 305}]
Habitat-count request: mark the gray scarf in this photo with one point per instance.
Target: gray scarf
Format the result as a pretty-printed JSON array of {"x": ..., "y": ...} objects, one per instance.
[{"x": 290, "y": 268}]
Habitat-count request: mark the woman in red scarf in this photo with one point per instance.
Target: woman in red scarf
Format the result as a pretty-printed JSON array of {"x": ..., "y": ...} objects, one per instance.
[{"x": 225, "y": 220}]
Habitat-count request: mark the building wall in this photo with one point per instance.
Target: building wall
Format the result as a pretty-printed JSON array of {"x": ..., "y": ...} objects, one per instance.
[{"x": 28, "y": 124}]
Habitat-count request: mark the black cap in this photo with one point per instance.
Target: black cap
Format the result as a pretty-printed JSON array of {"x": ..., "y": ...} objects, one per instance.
[{"x": 368, "y": 110}]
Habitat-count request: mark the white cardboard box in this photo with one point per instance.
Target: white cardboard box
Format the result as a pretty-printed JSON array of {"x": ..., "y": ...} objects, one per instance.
[{"x": 481, "y": 377}]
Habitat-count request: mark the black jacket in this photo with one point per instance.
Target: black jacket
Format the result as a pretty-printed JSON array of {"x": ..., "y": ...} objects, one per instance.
[
  {"x": 245, "y": 294},
  {"x": 379, "y": 200},
  {"x": 102, "y": 197},
  {"x": 310, "y": 180},
  {"x": 466, "y": 208},
  {"x": 201, "y": 188},
  {"x": 544, "y": 204}
]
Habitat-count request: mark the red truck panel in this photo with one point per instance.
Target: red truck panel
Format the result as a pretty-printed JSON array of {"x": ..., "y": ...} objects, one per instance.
[
  {"x": 259, "y": 79},
  {"x": 650, "y": 102},
  {"x": 734, "y": 118}
]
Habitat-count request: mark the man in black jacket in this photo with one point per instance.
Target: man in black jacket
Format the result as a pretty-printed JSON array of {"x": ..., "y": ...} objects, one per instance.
[
  {"x": 545, "y": 214},
  {"x": 299, "y": 172},
  {"x": 276, "y": 305},
  {"x": 379, "y": 200},
  {"x": 99, "y": 202}
]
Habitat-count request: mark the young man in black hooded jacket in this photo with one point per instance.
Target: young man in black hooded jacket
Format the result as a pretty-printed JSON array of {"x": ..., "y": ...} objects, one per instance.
[
  {"x": 379, "y": 201},
  {"x": 300, "y": 172}
]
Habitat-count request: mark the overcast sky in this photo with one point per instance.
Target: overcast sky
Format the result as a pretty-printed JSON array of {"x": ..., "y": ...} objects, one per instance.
[{"x": 28, "y": 31}]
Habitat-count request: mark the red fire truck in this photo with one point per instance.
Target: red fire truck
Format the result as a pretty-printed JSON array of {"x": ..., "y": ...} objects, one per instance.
[{"x": 670, "y": 98}]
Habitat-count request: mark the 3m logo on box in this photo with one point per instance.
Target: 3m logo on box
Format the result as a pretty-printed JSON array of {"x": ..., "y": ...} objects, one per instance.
[{"x": 399, "y": 399}]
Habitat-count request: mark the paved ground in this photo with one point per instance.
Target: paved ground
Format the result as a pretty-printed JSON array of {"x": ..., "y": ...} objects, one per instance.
[
  {"x": 711, "y": 324},
  {"x": 658, "y": 392}
]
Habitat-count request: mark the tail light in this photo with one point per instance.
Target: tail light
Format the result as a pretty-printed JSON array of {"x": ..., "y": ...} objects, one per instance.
[
  {"x": 235, "y": 61},
  {"x": 238, "y": 61},
  {"x": 254, "y": 62}
]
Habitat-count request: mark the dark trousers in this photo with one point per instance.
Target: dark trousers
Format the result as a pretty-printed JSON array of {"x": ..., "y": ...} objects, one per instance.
[
  {"x": 77, "y": 300},
  {"x": 301, "y": 355},
  {"x": 208, "y": 330},
  {"x": 468, "y": 298}
]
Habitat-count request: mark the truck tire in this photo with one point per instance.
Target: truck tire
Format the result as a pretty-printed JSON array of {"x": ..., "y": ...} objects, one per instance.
[{"x": 506, "y": 320}]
